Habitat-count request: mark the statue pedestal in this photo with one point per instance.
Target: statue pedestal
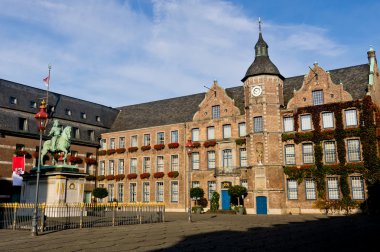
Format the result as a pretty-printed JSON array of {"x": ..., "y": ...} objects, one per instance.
[{"x": 58, "y": 184}]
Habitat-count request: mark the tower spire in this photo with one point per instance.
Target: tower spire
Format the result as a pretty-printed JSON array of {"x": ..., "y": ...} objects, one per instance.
[{"x": 260, "y": 22}]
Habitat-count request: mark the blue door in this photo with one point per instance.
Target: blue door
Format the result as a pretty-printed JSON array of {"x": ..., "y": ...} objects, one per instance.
[
  {"x": 261, "y": 205},
  {"x": 226, "y": 200}
]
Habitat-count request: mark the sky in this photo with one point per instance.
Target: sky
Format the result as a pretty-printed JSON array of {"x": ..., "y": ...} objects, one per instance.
[{"x": 119, "y": 53}]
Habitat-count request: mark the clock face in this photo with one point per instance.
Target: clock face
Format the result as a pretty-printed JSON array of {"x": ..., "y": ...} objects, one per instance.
[{"x": 256, "y": 91}]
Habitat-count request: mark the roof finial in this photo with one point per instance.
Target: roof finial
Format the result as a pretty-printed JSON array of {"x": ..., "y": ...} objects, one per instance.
[{"x": 260, "y": 22}]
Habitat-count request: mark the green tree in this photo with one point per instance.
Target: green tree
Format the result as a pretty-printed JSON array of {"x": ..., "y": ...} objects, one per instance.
[
  {"x": 237, "y": 191},
  {"x": 100, "y": 192},
  {"x": 214, "y": 204},
  {"x": 197, "y": 193}
]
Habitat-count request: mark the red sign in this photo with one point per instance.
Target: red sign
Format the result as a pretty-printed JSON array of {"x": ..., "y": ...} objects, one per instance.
[{"x": 18, "y": 165}]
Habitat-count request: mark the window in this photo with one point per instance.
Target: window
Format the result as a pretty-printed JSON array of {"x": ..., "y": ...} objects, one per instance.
[
  {"x": 227, "y": 158},
  {"x": 12, "y": 100},
  {"x": 121, "y": 142},
  {"x": 133, "y": 165},
  {"x": 351, "y": 117},
  {"x": 174, "y": 191},
  {"x": 91, "y": 135},
  {"x": 146, "y": 164},
  {"x": 357, "y": 187},
  {"x": 307, "y": 153},
  {"x": 120, "y": 192},
  {"x": 132, "y": 192},
  {"x": 332, "y": 188},
  {"x": 216, "y": 112},
  {"x": 195, "y": 184},
  {"x": 310, "y": 189},
  {"x": 317, "y": 97},
  {"x": 134, "y": 141},
  {"x": 210, "y": 133},
  {"x": 195, "y": 135},
  {"x": 195, "y": 160},
  {"x": 102, "y": 168},
  {"x": 76, "y": 133},
  {"x": 83, "y": 115},
  {"x": 292, "y": 189},
  {"x": 244, "y": 183},
  {"x": 211, "y": 159},
  {"x": 160, "y": 138},
  {"x": 243, "y": 157},
  {"x": 290, "y": 155},
  {"x": 33, "y": 104},
  {"x": 328, "y": 120},
  {"x": 22, "y": 124},
  {"x": 110, "y": 192},
  {"x": 305, "y": 122},
  {"x": 111, "y": 167},
  {"x": 330, "y": 152},
  {"x": 258, "y": 124},
  {"x": 174, "y": 163},
  {"x": 211, "y": 188},
  {"x": 288, "y": 124},
  {"x": 97, "y": 118},
  {"x": 227, "y": 131},
  {"x": 160, "y": 191},
  {"x": 174, "y": 136},
  {"x": 103, "y": 144},
  {"x": 160, "y": 163},
  {"x": 146, "y": 139},
  {"x": 120, "y": 166},
  {"x": 146, "y": 192},
  {"x": 112, "y": 143},
  {"x": 68, "y": 112},
  {"x": 353, "y": 150},
  {"x": 242, "y": 130}
]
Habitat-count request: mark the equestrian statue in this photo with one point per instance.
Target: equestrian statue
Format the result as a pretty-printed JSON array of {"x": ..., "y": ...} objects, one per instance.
[{"x": 60, "y": 141}]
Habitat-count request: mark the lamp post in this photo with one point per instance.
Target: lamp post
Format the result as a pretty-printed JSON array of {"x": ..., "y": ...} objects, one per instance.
[
  {"x": 42, "y": 120},
  {"x": 189, "y": 149}
]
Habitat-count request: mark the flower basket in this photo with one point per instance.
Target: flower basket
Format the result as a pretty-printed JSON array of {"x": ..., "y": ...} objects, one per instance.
[
  {"x": 111, "y": 151},
  {"x": 240, "y": 141},
  {"x": 209, "y": 143},
  {"x": 90, "y": 178},
  {"x": 158, "y": 175},
  {"x": 119, "y": 177},
  {"x": 145, "y": 175},
  {"x": 100, "y": 178},
  {"x": 159, "y": 146},
  {"x": 132, "y": 149},
  {"x": 102, "y": 152},
  {"x": 173, "y": 145},
  {"x": 20, "y": 153},
  {"x": 145, "y": 147},
  {"x": 120, "y": 150},
  {"x": 91, "y": 161},
  {"x": 132, "y": 176},
  {"x": 110, "y": 177},
  {"x": 173, "y": 174},
  {"x": 196, "y": 144},
  {"x": 75, "y": 160}
]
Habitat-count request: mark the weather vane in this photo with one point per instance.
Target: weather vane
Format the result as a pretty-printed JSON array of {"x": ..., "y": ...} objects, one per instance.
[{"x": 260, "y": 22}]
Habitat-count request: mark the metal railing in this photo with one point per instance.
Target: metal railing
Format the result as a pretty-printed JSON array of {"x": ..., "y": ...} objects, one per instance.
[{"x": 81, "y": 215}]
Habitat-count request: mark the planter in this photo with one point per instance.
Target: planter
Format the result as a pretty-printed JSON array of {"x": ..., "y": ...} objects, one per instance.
[
  {"x": 145, "y": 147},
  {"x": 173, "y": 174},
  {"x": 240, "y": 141},
  {"x": 159, "y": 146},
  {"x": 240, "y": 211},
  {"x": 132, "y": 176},
  {"x": 173, "y": 145},
  {"x": 210, "y": 143},
  {"x": 100, "y": 178},
  {"x": 197, "y": 209},
  {"x": 120, "y": 150},
  {"x": 145, "y": 175},
  {"x": 91, "y": 161},
  {"x": 158, "y": 174},
  {"x": 75, "y": 160},
  {"x": 119, "y": 177},
  {"x": 196, "y": 144},
  {"x": 102, "y": 152},
  {"x": 110, "y": 177},
  {"x": 111, "y": 151},
  {"x": 132, "y": 149}
]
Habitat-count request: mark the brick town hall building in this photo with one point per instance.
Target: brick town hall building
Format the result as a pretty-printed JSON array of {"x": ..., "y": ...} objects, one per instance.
[{"x": 289, "y": 141}]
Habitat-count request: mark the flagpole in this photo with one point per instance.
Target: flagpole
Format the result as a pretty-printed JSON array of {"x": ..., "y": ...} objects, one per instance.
[{"x": 48, "y": 86}]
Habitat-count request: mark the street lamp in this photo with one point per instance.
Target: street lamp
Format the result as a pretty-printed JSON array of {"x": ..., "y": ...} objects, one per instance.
[
  {"x": 189, "y": 149},
  {"x": 42, "y": 119}
]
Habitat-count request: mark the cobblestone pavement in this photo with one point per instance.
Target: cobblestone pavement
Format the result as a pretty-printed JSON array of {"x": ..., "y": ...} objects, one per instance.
[{"x": 210, "y": 232}]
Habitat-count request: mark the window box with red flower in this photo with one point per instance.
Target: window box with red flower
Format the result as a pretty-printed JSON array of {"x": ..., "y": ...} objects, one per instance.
[
  {"x": 91, "y": 161},
  {"x": 145, "y": 147},
  {"x": 102, "y": 152},
  {"x": 90, "y": 178},
  {"x": 111, "y": 151},
  {"x": 173, "y": 174},
  {"x": 145, "y": 175},
  {"x": 20, "y": 153},
  {"x": 100, "y": 178},
  {"x": 119, "y": 177},
  {"x": 196, "y": 144},
  {"x": 210, "y": 143},
  {"x": 240, "y": 141},
  {"x": 132, "y": 149},
  {"x": 75, "y": 160},
  {"x": 110, "y": 177},
  {"x": 159, "y": 146},
  {"x": 158, "y": 175},
  {"x": 120, "y": 150},
  {"x": 132, "y": 176},
  {"x": 173, "y": 145}
]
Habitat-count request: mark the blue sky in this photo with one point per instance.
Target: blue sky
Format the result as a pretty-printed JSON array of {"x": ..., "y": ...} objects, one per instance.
[{"x": 118, "y": 52}]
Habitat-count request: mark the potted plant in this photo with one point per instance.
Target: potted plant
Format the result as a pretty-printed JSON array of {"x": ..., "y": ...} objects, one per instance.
[
  {"x": 111, "y": 151},
  {"x": 102, "y": 152},
  {"x": 145, "y": 175},
  {"x": 90, "y": 178},
  {"x": 196, "y": 144},
  {"x": 159, "y": 146},
  {"x": 110, "y": 177},
  {"x": 209, "y": 143},
  {"x": 214, "y": 204},
  {"x": 119, "y": 177},
  {"x": 173, "y": 174},
  {"x": 91, "y": 161},
  {"x": 145, "y": 147},
  {"x": 132, "y": 176},
  {"x": 100, "y": 178},
  {"x": 238, "y": 191},
  {"x": 173, "y": 145},
  {"x": 120, "y": 150},
  {"x": 158, "y": 174},
  {"x": 197, "y": 193}
]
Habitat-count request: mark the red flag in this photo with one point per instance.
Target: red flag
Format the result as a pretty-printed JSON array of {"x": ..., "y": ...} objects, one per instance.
[
  {"x": 46, "y": 81},
  {"x": 18, "y": 165}
]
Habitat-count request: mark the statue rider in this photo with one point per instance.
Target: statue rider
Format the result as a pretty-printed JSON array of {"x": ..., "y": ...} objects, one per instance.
[{"x": 56, "y": 131}]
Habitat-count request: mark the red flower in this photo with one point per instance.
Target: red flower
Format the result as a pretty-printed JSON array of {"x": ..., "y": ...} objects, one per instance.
[
  {"x": 173, "y": 174},
  {"x": 144, "y": 175},
  {"x": 173, "y": 145},
  {"x": 158, "y": 174},
  {"x": 145, "y": 147},
  {"x": 132, "y": 149},
  {"x": 111, "y": 151},
  {"x": 110, "y": 177},
  {"x": 209, "y": 143},
  {"x": 132, "y": 176},
  {"x": 120, "y": 150},
  {"x": 91, "y": 161},
  {"x": 119, "y": 177},
  {"x": 196, "y": 144},
  {"x": 159, "y": 146}
]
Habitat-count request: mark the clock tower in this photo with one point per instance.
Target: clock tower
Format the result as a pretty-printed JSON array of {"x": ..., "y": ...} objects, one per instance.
[{"x": 263, "y": 94}]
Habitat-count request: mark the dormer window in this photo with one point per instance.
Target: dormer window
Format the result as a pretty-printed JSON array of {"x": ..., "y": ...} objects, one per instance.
[
  {"x": 317, "y": 97},
  {"x": 33, "y": 104},
  {"x": 12, "y": 100},
  {"x": 68, "y": 112},
  {"x": 97, "y": 118},
  {"x": 83, "y": 115}
]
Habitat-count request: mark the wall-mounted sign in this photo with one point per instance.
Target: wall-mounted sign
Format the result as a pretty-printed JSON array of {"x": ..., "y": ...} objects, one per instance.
[{"x": 226, "y": 184}]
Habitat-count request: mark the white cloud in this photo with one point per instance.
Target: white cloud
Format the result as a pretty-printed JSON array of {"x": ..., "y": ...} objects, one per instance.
[{"x": 111, "y": 53}]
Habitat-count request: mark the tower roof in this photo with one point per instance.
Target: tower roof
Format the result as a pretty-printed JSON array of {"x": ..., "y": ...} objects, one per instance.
[{"x": 262, "y": 64}]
